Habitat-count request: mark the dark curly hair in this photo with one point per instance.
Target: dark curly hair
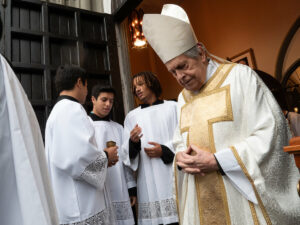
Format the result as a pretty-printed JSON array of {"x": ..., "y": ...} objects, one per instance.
[{"x": 151, "y": 81}]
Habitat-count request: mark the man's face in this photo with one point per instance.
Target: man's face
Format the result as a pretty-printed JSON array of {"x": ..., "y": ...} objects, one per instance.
[
  {"x": 103, "y": 104},
  {"x": 190, "y": 73},
  {"x": 141, "y": 90}
]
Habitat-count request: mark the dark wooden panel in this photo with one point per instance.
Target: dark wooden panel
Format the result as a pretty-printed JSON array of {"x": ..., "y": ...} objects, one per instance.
[
  {"x": 63, "y": 25},
  {"x": 36, "y": 52},
  {"x": 92, "y": 28},
  {"x": 41, "y": 117},
  {"x": 53, "y": 23},
  {"x": 94, "y": 58},
  {"x": 37, "y": 87},
  {"x": 25, "y": 51},
  {"x": 35, "y": 20},
  {"x": 62, "y": 22},
  {"x": 16, "y": 50},
  {"x": 42, "y": 36},
  {"x": 62, "y": 52},
  {"x": 24, "y": 21},
  {"x": 55, "y": 57},
  {"x": 26, "y": 83},
  {"x": 15, "y": 19}
]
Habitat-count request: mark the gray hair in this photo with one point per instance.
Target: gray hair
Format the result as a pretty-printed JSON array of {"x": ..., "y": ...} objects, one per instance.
[
  {"x": 192, "y": 52},
  {"x": 195, "y": 51}
]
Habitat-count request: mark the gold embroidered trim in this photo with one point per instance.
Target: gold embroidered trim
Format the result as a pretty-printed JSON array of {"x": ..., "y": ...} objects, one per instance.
[
  {"x": 224, "y": 196},
  {"x": 253, "y": 212},
  {"x": 176, "y": 188},
  {"x": 226, "y": 74},
  {"x": 198, "y": 198},
  {"x": 229, "y": 116},
  {"x": 210, "y": 88},
  {"x": 260, "y": 203}
]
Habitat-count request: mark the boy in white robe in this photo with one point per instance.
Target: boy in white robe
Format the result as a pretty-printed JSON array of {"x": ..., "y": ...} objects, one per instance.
[
  {"x": 120, "y": 179},
  {"x": 26, "y": 195},
  {"x": 148, "y": 149},
  {"x": 77, "y": 166}
]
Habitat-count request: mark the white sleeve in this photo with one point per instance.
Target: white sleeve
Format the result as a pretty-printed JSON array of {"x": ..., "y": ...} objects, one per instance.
[
  {"x": 132, "y": 163},
  {"x": 235, "y": 174},
  {"x": 129, "y": 177},
  {"x": 75, "y": 151}
]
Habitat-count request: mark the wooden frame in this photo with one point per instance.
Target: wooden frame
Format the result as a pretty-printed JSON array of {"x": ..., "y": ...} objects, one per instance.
[{"x": 246, "y": 57}]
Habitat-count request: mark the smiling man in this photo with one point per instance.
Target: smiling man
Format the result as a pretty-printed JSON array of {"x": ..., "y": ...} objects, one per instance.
[
  {"x": 148, "y": 149},
  {"x": 229, "y": 143}
]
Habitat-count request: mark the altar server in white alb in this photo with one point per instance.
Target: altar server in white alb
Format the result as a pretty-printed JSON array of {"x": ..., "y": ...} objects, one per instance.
[
  {"x": 120, "y": 179},
  {"x": 25, "y": 191},
  {"x": 228, "y": 117},
  {"x": 148, "y": 149},
  {"x": 77, "y": 166}
]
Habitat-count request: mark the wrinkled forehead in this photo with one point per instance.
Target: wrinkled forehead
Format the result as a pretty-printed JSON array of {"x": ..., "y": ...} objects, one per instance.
[{"x": 176, "y": 62}]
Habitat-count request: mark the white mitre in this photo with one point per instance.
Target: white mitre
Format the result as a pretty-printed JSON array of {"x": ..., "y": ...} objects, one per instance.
[{"x": 170, "y": 33}]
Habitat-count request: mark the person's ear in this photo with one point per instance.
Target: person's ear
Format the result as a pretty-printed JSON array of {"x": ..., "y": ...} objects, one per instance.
[
  {"x": 93, "y": 99},
  {"x": 79, "y": 83},
  {"x": 202, "y": 52}
]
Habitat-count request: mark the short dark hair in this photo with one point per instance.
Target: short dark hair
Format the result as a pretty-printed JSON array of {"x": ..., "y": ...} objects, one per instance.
[
  {"x": 67, "y": 76},
  {"x": 151, "y": 81},
  {"x": 98, "y": 88}
]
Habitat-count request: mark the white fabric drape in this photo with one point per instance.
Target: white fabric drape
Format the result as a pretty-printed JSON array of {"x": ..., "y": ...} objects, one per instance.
[
  {"x": 124, "y": 64},
  {"x": 26, "y": 196}
]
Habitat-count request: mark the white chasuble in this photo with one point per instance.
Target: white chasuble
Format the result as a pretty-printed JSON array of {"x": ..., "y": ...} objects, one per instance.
[
  {"x": 26, "y": 196},
  {"x": 156, "y": 203},
  {"x": 119, "y": 177},
  {"x": 235, "y": 115},
  {"x": 77, "y": 167}
]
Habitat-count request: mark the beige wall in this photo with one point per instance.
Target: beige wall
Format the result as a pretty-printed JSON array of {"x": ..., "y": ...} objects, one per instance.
[{"x": 228, "y": 28}]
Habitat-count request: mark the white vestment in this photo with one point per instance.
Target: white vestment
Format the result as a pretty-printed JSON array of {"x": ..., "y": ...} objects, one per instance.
[
  {"x": 156, "y": 203},
  {"x": 26, "y": 196},
  {"x": 77, "y": 168},
  {"x": 119, "y": 177},
  {"x": 260, "y": 181}
]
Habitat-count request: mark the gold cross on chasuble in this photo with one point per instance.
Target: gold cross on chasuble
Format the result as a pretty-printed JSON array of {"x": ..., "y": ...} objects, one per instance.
[{"x": 212, "y": 104}]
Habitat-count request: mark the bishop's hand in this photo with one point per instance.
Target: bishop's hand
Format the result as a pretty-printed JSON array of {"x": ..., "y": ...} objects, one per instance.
[
  {"x": 112, "y": 153},
  {"x": 195, "y": 160},
  {"x": 136, "y": 134},
  {"x": 155, "y": 151}
]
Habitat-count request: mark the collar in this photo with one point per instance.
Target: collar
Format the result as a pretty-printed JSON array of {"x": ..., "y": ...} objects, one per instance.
[
  {"x": 157, "y": 102},
  {"x": 94, "y": 117},
  {"x": 211, "y": 69},
  {"x": 61, "y": 97}
]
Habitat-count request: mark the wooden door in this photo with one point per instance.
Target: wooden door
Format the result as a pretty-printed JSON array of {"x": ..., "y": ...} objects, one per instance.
[{"x": 39, "y": 36}]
